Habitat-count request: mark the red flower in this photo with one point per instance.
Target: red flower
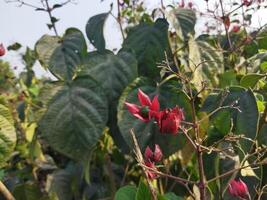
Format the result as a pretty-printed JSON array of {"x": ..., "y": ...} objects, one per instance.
[
  {"x": 147, "y": 110},
  {"x": 150, "y": 174},
  {"x": 169, "y": 120},
  {"x": 2, "y": 50},
  {"x": 155, "y": 156},
  {"x": 238, "y": 189},
  {"x": 236, "y": 28}
]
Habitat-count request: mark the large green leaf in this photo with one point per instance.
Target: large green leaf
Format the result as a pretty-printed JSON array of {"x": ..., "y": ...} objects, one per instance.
[
  {"x": 66, "y": 57},
  {"x": 150, "y": 42},
  {"x": 206, "y": 62},
  {"x": 7, "y": 135},
  {"x": 45, "y": 47},
  {"x": 126, "y": 193},
  {"x": 94, "y": 30},
  {"x": 76, "y": 117},
  {"x": 183, "y": 20},
  {"x": 148, "y": 133},
  {"x": 115, "y": 72}
]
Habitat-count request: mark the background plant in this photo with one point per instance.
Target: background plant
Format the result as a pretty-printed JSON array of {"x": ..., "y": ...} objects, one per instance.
[{"x": 70, "y": 139}]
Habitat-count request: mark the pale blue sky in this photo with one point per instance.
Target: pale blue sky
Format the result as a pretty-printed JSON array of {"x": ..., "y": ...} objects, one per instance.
[{"x": 26, "y": 26}]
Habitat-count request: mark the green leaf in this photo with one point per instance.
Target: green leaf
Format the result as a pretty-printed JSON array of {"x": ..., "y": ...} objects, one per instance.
[
  {"x": 143, "y": 192},
  {"x": 148, "y": 133},
  {"x": 227, "y": 79},
  {"x": 206, "y": 61},
  {"x": 172, "y": 196},
  {"x": 94, "y": 30},
  {"x": 250, "y": 80},
  {"x": 262, "y": 137},
  {"x": 16, "y": 46},
  {"x": 45, "y": 47},
  {"x": 115, "y": 72},
  {"x": 75, "y": 118},
  {"x": 126, "y": 193},
  {"x": 183, "y": 20},
  {"x": 222, "y": 121},
  {"x": 8, "y": 135},
  {"x": 248, "y": 119},
  {"x": 66, "y": 57},
  {"x": 150, "y": 42},
  {"x": 27, "y": 192}
]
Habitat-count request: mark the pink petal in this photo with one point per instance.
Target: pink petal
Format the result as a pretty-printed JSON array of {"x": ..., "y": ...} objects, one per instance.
[
  {"x": 133, "y": 108},
  {"x": 148, "y": 153},
  {"x": 141, "y": 117},
  {"x": 155, "y": 104},
  {"x": 143, "y": 98},
  {"x": 157, "y": 153}
]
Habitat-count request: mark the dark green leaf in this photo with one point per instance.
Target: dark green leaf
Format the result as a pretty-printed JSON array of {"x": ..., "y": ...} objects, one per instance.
[
  {"x": 172, "y": 196},
  {"x": 150, "y": 42},
  {"x": 66, "y": 57},
  {"x": 94, "y": 30},
  {"x": 115, "y": 72},
  {"x": 75, "y": 118}
]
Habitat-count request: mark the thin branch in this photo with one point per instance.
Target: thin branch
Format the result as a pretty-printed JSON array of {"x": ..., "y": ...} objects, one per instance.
[
  {"x": 49, "y": 11},
  {"x": 5, "y": 192}
]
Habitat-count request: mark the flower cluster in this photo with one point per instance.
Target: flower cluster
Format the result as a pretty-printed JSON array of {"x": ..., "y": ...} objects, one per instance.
[
  {"x": 238, "y": 189},
  {"x": 150, "y": 159},
  {"x": 168, "y": 120}
]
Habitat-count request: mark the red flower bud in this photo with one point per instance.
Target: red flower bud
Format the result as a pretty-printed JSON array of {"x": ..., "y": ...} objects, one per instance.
[
  {"x": 190, "y": 4},
  {"x": 2, "y": 50},
  {"x": 182, "y": 4},
  {"x": 226, "y": 21},
  {"x": 150, "y": 174},
  {"x": 247, "y": 2},
  {"x": 169, "y": 120},
  {"x": 155, "y": 156},
  {"x": 147, "y": 110},
  {"x": 236, "y": 28},
  {"x": 238, "y": 189}
]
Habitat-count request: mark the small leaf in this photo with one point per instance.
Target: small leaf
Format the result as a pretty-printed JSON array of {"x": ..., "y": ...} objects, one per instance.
[
  {"x": 54, "y": 20},
  {"x": 57, "y": 6},
  {"x": 250, "y": 80},
  {"x": 126, "y": 193},
  {"x": 16, "y": 46},
  {"x": 172, "y": 196},
  {"x": 94, "y": 30}
]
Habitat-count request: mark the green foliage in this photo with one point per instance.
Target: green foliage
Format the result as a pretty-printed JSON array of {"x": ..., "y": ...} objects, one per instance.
[{"x": 126, "y": 193}]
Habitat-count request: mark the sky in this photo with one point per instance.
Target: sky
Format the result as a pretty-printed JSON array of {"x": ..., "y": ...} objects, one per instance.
[{"x": 25, "y": 25}]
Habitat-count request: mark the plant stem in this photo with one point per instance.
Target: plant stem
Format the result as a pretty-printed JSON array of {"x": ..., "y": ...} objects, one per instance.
[
  {"x": 226, "y": 29},
  {"x": 201, "y": 184},
  {"x": 48, "y": 9},
  {"x": 5, "y": 192},
  {"x": 119, "y": 19}
]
